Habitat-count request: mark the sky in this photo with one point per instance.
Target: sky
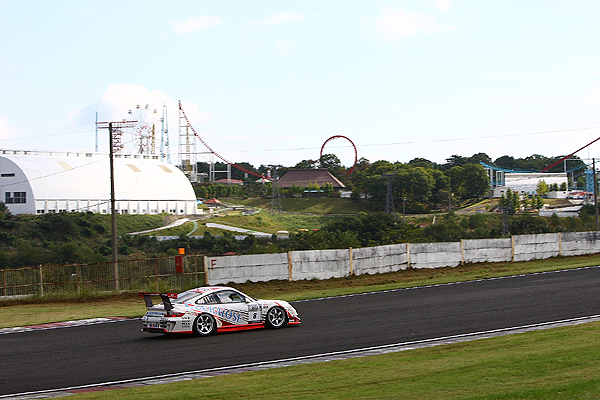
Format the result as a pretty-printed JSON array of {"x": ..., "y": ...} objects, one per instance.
[{"x": 268, "y": 82}]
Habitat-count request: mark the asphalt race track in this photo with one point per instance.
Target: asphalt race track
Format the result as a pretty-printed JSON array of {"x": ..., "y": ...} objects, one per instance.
[{"x": 58, "y": 358}]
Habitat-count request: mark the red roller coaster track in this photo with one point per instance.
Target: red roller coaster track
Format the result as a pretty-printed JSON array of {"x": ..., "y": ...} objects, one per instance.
[
  {"x": 210, "y": 148},
  {"x": 577, "y": 151},
  {"x": 352, "y": 143}
]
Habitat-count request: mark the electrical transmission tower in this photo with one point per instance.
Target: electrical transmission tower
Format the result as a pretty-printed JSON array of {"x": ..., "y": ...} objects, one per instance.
[{"x": 389, "y": 199}]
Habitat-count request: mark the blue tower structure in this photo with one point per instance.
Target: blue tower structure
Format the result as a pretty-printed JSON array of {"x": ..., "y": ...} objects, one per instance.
[{"x": 589, "y": 180}]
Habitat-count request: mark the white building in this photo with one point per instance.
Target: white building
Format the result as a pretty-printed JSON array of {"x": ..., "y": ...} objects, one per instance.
[
  {"x": 526, "y": 183},
  {"x": 50, "y": 182}
]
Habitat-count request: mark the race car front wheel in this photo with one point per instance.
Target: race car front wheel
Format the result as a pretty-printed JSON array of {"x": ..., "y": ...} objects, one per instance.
[
  {"x": 276, "y": 318},
  {"x": 204, "y": 325}
]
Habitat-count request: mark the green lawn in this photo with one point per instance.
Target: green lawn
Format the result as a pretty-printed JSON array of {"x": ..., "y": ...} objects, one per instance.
[{"x": 319, "y": 205}]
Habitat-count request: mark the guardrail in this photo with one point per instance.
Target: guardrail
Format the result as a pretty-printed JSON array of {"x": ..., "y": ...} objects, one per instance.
[{"x": 80, "y": 280}]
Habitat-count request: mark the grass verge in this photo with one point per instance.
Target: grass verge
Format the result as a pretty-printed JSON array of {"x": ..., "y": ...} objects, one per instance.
[
  {"x": 559, "y": 363},
  {"x": 20, "y": 313}
]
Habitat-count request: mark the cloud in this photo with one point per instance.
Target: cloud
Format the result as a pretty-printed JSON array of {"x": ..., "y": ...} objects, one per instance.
[
  {"x": 442, "y": 5},
  {"x": 7, "y": 132},
  {"x": 284, "y": 47},
  {"x": 275, "y": 20},
  {"x": 196, "y": 24},
  {"x": 396, "y": 24}
]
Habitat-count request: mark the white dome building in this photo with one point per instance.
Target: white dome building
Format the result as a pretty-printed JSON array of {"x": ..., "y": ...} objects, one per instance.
[{"x": 50, "y": 182}]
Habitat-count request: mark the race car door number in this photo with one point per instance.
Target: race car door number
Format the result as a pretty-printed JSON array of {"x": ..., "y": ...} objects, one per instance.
[{"x": 254, "y": 314}]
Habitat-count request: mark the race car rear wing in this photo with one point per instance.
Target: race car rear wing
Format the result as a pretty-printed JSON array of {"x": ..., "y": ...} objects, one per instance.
[{"x": 165, "y": 297}]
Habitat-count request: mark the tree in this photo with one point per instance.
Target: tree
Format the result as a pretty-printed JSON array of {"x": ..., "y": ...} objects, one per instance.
[
  {"x": 441, "y": 187},
  {"x": 505, "y": 161},
  {"x": 415, "y": 183},
  {"x": 542, "y": 187},
  {"x": 328, "y": 188},
  {"x": 475, "y": 181},
  {"x": 479, "y": 157},
  {"x": 455, "y": 161},
  {"x": 422, "y": 162},
  {"x": 469, "y": 181},
  {"x": 537, "y": 202},
  {"x": 306, "y": 164},
  {"x": 330, "y": 161}
]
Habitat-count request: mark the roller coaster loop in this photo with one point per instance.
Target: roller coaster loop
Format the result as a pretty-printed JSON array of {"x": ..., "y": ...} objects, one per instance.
[{"x": 342, "y": 137}]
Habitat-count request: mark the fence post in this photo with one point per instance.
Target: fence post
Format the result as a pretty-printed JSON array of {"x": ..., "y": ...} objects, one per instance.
[
  {"x": 116, "y": 274},
  {"x": 41, "y": 281},
  {"x": 196, "y": 268},
  {"x": 77, "y": 277},
  {"x": 462, "y": 252},
  {"x": 156, "y": 273},
  {"x": 559, "y": 243},
  {"x": 205, "y": 262},
  {"x": 351, "y": 261},
  {"x": 5, "y": 289},
  {"x": 290, "y": 278},
  {"x": 407, "y": 255}
]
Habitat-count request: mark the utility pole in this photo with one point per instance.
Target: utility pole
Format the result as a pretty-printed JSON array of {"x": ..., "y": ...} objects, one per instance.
[
  {"x": 449, "y": 194},
  {"x": 595, "y": 195},
  {"x": 275, "y": 195},
  {"x": 114, "y": 129},
  {"x": 113, "y": 216}
]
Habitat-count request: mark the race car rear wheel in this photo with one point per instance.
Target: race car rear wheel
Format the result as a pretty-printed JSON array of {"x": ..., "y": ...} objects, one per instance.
[
  {"x": 276, "y": 318},
  {"x": 204, "y": 325}
]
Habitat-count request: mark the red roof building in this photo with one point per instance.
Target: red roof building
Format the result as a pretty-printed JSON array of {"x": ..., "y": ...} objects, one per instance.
[
  {"x": 213, "y": 201},
  {"x": 304, "y": 177}
]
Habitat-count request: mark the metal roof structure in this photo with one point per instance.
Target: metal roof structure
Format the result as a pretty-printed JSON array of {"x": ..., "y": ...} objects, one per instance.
[{"x": 43, "y": 182}]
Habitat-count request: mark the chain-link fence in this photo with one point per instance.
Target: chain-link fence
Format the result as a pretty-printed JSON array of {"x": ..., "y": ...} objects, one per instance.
[{"x": 81, "y": 280}]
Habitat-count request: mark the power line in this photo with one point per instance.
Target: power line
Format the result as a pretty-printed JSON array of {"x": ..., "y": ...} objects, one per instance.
[
  {"x": 426, "y": 141},
  {"x": 45, "y": 136}
]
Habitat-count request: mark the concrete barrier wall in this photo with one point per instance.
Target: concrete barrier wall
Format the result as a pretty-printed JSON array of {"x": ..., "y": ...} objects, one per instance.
[
  {"x": 435, "y": 255},
  {"x": 324, "y": 264},
  {"x": 579, "y": 243},
  {"x": 253, "y": 267},
  {"x": 535, "y": 247},
  {"x": 487, "y": 250},
  {"x": 320, "y": 264},
  {"x": 380, "y": 259}
]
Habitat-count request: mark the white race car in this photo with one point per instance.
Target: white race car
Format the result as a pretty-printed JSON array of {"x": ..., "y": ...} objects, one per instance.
[{"x": 207, "y": 310}]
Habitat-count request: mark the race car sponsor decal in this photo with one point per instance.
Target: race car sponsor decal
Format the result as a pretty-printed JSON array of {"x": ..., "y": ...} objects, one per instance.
[{"x": 230, "y": 316}]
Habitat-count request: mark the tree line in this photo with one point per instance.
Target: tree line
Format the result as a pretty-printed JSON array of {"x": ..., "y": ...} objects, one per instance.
[{"x": 420, "y": 184}]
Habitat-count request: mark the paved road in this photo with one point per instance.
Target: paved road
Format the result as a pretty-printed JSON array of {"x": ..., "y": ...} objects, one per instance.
[{"x": 65, "y": 357}]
